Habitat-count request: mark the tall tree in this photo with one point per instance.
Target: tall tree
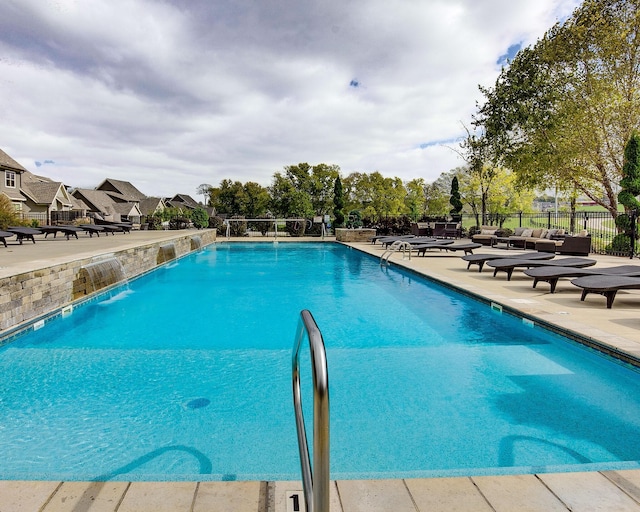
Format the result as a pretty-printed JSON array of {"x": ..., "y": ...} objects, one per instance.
[
  {"x": 204, "y": 189},
  {"x": 338, "y": 203},
  {"x": 562, "y": 111},
  {"x": 456, "y": 203},
  {"x": 415, "y": 200},
  {"x": 630, "y": 185}
]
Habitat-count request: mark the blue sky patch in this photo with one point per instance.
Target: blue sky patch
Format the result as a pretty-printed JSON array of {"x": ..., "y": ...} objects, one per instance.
[{"x": 511, "y": 53}]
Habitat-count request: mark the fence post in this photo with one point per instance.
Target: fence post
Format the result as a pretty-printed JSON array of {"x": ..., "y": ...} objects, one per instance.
[
  {"x": 634, "y": 218},
  {"x": 549, "y": 219}
]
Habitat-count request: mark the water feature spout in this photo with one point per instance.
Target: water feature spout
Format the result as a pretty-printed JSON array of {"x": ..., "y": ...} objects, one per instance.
[
  {"x": 100, "y": 274},
  {"x": 167, "y": 252},
  {"x": 196, "y": 242}
]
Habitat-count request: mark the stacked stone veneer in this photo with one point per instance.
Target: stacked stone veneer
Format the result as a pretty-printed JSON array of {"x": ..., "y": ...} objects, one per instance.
[
  {"x": 37, "y": 293},
  {"x": 355, "y": 235}
]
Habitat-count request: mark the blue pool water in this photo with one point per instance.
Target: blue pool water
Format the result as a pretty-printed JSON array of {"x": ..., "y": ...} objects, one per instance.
[{"x": 186, "y": 375}]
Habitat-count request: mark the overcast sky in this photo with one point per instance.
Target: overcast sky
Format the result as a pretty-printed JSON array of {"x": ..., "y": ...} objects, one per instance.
[{"x": 172, "y": 94}]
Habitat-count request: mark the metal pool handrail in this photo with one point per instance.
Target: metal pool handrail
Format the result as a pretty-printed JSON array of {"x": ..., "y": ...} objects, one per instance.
[
  {"x": 398, "y": 245},
  {"x": 316, "y": 483}
]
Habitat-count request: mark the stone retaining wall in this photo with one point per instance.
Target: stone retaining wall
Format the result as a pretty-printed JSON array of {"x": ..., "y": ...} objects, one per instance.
[
  {"x": 355, "y": 235},
  {"x": 28, "y": 296}
]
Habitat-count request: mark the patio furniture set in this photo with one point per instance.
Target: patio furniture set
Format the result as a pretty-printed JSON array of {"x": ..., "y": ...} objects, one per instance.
[{"x": 543, "y": 240}]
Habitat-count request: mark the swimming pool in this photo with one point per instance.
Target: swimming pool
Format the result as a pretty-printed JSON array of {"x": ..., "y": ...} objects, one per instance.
[{"x": 185, "y": 375}]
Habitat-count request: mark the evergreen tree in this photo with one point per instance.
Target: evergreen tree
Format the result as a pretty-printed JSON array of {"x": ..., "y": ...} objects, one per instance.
[
  {"x": 455, "y": 200},
  {"x": 630, "y": 189},
  {"x": 338, "y": 204}
]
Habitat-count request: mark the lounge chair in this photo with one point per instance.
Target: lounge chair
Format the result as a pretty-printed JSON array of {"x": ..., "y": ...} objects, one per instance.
[
  {"x": 4, "y": 235},
  {"x": 24, "y": 233},
  {"x": 111, "y": 228},
  {"x": 377, "y": 238},
  {"x": 386, "y": 242},
  {"x": 508, "y": 265},
  {"x": 551, "y": 275},
  {"x": 606, "y": 285},
  {"x": 66, "y": 230},
  {"x": 92, "y": 229},
  {"x": 447, "y": 245},
  {"x": 481, "y": 259}
]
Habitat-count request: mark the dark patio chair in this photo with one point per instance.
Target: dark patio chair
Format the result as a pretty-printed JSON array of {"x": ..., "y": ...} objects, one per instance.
[
  {"x": 24, "y": 233},
  {"x": 551, "y": 275},
  {"x": 606, "y": 285},
  {"x": 67, "y": 231},
  {"x": 92, "y": 229},
  {"x": 481, "y": 259},
  {"x": 4, "y": 235},
  {"x": 508, "y": 265},
  {"x": 447, "y": 245}
]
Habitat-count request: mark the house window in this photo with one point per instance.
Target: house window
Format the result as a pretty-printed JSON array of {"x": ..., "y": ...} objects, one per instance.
[{"x": 10, "y": 179}]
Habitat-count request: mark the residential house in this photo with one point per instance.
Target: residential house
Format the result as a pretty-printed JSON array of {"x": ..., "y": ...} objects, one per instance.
[
  {"x": 11, "y": 180},
  {"x": 183, "y": 201},
  {"x": 47, "y": 201},
  {"x": 151, "y": 205},
  {"x": 102, "y": 205},
  {"x": 34, "y": 197},
  {"x": 121, "y": 191}
]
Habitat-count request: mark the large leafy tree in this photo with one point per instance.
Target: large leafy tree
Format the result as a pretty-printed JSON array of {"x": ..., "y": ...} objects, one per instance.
[
  {"x": 229, "y": 197},
  {"x": 416, "y": 200},
  {"x": 317, "y": 182},
  {"x": 287, "y": 200},
  {"x": 374, "y": 195},
  {"x": 561, "y": 112},
  {"x": 256, "y": 200}
]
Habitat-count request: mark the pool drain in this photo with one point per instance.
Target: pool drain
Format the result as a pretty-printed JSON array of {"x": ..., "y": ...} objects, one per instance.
[{"x": 198, "y": 403}]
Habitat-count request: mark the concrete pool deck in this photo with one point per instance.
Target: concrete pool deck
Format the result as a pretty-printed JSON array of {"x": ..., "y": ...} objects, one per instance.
[{"x": 617, "y": 491}]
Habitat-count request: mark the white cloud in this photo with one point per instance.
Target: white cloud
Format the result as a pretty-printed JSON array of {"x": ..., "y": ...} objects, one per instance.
[{"x": 169, "y": 95}]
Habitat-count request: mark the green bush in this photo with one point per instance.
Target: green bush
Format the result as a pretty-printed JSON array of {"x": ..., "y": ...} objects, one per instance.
[
  {"x": 200, "y": 218},
  {"x": 8, "y": 215}
]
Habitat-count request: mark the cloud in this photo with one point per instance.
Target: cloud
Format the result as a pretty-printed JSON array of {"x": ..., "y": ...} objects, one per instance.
[
  {"x": 172, "y": 94},
  {"x": 46, "y": 162}
]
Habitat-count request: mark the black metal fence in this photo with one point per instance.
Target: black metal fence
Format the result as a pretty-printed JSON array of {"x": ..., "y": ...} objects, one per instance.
[
  {"x": 53, "y": 218},
  {"x": 600, "y": 225}
]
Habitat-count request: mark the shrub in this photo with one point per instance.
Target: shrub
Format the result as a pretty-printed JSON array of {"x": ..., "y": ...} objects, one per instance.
[
  {"x": 200, "y": 218},
  {"x": 296, "y": 227},
  {"x": 8, "y": 214}
]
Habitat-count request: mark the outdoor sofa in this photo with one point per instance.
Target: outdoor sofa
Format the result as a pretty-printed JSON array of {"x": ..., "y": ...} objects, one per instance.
[
  {"x": 526, "y": 238},
  {"x": 486, "y": 235},
  {"x": 579, "y": 245}
]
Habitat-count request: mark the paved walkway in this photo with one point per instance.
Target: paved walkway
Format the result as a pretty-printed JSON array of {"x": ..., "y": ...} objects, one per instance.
[{"x": 617, "y": 491}]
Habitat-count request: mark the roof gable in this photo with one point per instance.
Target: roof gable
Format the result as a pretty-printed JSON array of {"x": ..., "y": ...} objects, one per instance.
[
  {"x": 185, "y": 200},
  {"x": 124, "y": 189},
  {"x": 6, "y": 162},
  {"x": 46, "y": 192},
  {"x": 97, "y": 200}
]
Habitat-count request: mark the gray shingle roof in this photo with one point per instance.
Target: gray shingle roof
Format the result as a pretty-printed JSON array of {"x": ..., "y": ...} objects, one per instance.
[
  {"x": 42, "y": 192},
  {"x": 125, "y": 189},
  {"x": 7, "y": 162},
  {"x": 149, "y": 205},
  {"x": 97, "y": 200}
]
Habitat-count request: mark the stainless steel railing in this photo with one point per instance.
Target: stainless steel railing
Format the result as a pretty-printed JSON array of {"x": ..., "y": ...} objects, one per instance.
[
  {"x": 398, "y": 245},
  {"x": 315, "y": 483}
]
